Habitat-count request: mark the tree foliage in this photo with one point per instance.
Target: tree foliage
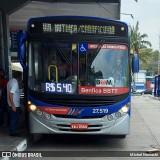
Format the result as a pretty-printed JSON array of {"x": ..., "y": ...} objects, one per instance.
[
  {"x": 145, "y": 55},
  {"x": 137, "y": 39},
  {"x": 152, "y": 64},
  {"x": 140, "y": 46}
]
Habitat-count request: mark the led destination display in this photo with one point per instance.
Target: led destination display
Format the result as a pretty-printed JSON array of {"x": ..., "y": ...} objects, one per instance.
[
  {"x": 73, "y": 26},
  {"x": 82, "y": 28}
]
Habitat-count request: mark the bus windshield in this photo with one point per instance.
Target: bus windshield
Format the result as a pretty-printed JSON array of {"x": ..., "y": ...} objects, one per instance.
[{"x": 78, "y": 68}]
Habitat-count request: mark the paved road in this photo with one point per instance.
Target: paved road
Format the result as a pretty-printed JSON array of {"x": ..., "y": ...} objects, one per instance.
[{"x": 144, "y": 135}]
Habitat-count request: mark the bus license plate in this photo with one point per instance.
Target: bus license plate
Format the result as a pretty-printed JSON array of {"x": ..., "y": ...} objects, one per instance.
[{"x": 79, "y": 126}]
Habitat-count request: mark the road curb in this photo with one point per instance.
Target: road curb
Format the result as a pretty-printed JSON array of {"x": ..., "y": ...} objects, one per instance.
[
  {"x": 155, "y": 98},
  {"x": 19, "y": 145}
]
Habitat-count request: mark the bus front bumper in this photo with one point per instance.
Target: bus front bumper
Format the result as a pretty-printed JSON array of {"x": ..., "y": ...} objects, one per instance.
[{"x": 119, "y": 126}]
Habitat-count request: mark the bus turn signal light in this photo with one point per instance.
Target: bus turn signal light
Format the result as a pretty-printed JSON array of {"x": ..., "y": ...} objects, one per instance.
[{"x": 29, "y": 102}]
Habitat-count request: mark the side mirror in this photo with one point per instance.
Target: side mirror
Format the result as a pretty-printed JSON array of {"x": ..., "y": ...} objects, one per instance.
[
  {"x": 21, "y": 48},
  {"x": 135, "y": 64},
  {"x": 157, "y": 86}
]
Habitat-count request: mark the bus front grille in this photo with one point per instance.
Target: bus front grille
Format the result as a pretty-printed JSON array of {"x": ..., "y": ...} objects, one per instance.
[
  {"x": 91, "y": 128},
  {"x": 84, "y": 117},
  {"x": 88, "y": 130},
  {"x": 79, "y": 103}
]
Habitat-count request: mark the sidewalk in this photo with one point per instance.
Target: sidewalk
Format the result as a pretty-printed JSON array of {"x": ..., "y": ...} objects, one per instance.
[
  {"x": 156, "y": 98},
  {"x": 148, "y": 107},
  {"x": 9, "y": 143}
]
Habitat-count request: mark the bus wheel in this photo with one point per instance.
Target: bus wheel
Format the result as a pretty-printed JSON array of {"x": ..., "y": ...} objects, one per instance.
[
  {"x": 36, "y": 137},
  {"x": 121, "y": 136}
]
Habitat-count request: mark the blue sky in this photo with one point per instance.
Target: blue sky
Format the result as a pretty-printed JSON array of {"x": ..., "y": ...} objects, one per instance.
[{"x": 147, "y": 12}]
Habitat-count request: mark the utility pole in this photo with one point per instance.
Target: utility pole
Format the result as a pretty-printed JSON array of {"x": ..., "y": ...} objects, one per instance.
[{"x": 159, "y": 58}]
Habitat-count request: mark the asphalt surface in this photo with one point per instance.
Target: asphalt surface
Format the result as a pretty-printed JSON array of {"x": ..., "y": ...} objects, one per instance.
[{"x": 144, "y": 137}]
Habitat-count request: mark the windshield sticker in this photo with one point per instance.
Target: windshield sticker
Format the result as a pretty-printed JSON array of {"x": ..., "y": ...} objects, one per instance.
[
  {"x": 107, "y": 46},
  {"x": 105, "y": 82},
  {"x": 102, "y": 90}
]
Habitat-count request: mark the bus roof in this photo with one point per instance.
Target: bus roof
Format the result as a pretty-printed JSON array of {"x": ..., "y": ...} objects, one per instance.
[{"x": 73, "y": 17}]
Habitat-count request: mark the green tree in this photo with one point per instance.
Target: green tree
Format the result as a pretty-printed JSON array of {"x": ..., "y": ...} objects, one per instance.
[
  {"x": 152, "y": 64},
  {"x": 140, "y": 46},
  {"x": 137, "y": 39},
  {"x": 145, "y": 55}
]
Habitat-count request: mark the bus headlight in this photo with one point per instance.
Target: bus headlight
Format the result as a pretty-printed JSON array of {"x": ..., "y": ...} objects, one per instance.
[
  {"x": 110, "y": 117},
  {"x": 32, "y": 107},
  {"x": 38, "y": 112},
  {"x": 118, "y": 114},
  {"x": 125, "y": 109},
  {"x": 46, "y": 115}
]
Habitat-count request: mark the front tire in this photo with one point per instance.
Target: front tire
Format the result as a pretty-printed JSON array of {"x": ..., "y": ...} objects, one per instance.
[
  {"x": 122, "y": 136},
  {"x": 36, "y": 137}
]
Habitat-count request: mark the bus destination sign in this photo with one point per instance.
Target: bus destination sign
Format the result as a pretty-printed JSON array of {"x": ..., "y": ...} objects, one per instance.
[{"x": 79, "y": 28}]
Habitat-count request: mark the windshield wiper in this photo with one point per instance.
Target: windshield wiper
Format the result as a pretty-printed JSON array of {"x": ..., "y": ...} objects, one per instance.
[
  {"x": 60, "y": 50},
  {"x": 97, "y": 51}
]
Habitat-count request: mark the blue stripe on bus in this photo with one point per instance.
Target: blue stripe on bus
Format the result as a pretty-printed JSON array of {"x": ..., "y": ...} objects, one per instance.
[{"x": 87, "y": 111}]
